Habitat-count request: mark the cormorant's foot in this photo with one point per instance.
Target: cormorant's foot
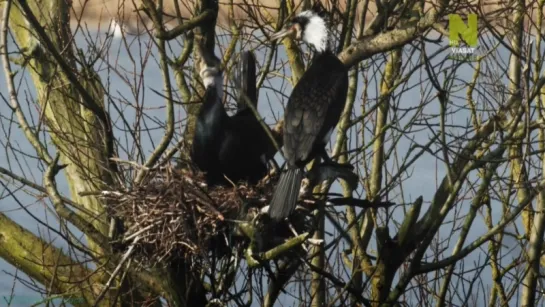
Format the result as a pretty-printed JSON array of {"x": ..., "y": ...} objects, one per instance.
[
  {"x": 324, "y": 171},
  {"x": 332, "y": 163}
]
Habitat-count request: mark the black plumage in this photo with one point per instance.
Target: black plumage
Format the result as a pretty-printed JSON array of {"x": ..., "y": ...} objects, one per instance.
[
  {"x": 313, "y": 110},
  {"x": 211, "y": 120},
  {"x": 235, "y": 147},
  {"x": 246, "y": 81}
]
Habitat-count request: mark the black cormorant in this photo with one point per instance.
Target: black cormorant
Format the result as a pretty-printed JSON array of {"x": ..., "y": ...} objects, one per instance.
[
  {"x": 235, "y": 147},
  {"x": 313, "y": 109}
]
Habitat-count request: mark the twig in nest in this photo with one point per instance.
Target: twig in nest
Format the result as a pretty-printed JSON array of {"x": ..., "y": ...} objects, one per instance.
[
  {"x": 134, "y": 164},
  {"x": 139, "y": 232}
]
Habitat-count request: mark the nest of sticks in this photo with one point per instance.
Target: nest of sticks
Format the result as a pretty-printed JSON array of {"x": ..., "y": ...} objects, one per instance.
[{"x": 173, "y": 214}]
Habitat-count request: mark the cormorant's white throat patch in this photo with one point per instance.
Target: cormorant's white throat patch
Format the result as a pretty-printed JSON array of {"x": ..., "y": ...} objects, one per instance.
[{"x": 211, "y": 77}]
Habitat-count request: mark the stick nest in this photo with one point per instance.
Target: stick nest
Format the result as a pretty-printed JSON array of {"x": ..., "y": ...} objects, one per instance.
[{"x": 174, "y": 214}]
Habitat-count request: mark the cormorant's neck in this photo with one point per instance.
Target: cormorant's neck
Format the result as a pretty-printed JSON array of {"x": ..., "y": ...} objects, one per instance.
[
  {"x": 321, "y": 55},
  {"x": 218, "y": 83},
  {"x": 215, "y": 80}
]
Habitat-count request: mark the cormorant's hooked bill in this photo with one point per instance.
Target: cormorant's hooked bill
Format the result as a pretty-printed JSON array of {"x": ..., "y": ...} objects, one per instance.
[
  {"x": 309, "y": 26},
  {"x": 313, "y": 109}
]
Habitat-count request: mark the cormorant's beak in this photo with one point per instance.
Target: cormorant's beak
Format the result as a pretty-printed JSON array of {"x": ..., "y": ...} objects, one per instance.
[{"x": 286, "y": 32}]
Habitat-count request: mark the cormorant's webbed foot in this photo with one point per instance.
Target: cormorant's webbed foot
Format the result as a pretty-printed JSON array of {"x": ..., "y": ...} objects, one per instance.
[
  {"x": 325, "y": 157},
  {"x": 332, "y": 171},
  {"x": 329, "y": 162}
]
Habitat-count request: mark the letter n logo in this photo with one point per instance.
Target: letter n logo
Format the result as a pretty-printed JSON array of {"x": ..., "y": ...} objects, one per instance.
[{"x": 458, "y": 28}]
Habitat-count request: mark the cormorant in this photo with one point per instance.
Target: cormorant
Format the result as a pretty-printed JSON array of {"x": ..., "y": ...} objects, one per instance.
[
  {"x": 235, "y": 147},
  {"x": 313, "y": 109}
]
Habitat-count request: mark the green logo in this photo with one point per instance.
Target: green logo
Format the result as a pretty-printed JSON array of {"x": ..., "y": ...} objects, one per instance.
[{"x": 458, "y": 28}]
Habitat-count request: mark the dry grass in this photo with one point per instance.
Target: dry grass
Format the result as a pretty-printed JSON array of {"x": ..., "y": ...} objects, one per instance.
[{"x": 94, "y": 12}]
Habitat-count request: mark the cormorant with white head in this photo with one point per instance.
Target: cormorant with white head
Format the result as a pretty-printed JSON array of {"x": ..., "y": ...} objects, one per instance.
[{"x": 313, "y": 109}]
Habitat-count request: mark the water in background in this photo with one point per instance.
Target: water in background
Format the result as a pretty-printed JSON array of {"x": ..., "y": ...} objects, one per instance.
[{"x": 426, "y": 174}]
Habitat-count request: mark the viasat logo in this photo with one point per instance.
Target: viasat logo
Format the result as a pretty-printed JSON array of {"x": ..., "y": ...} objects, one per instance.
[{"x": 467, "y": 32}]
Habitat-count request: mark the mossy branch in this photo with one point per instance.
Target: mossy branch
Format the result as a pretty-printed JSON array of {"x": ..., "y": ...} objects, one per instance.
[
  {"x": 79, "y": 125},
  {"x": 406, "y": 230},
  {"x": 255, "y": 259},
  {"x": 14, "y": 101},
  {"x": 292, "y": 51},
  {"x": 537, "y": 229},
  {"x": 380, "y": 279},
  {"x": 180, "y": 29},
  {"x": 45, "y": 263},
  {"x": 87, "y": 99},
  {"x": 77, "y": 220},
  {"x": 366, "y": 47}
]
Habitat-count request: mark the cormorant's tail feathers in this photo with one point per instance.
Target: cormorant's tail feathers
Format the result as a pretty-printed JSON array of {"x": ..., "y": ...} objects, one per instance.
[{"x": 286, "y": 193}]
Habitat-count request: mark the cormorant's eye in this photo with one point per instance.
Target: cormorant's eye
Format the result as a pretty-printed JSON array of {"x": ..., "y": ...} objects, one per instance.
[{"x": 297, "y": 30}]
